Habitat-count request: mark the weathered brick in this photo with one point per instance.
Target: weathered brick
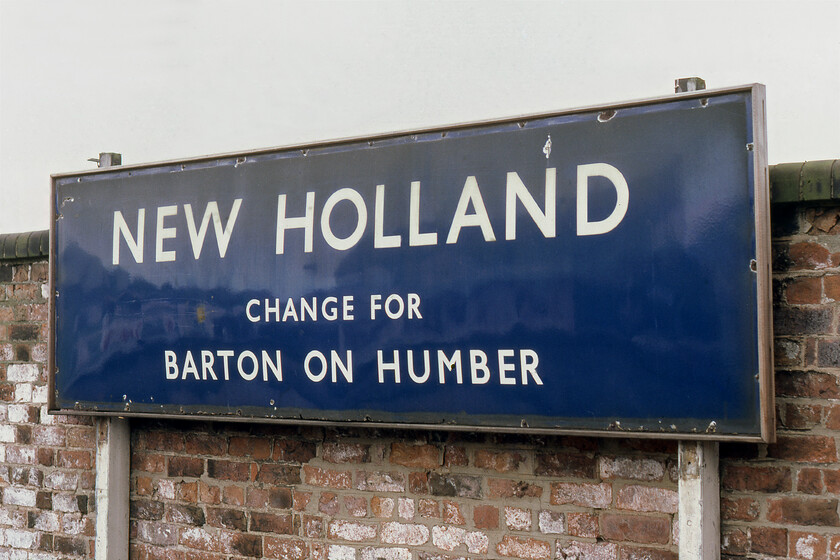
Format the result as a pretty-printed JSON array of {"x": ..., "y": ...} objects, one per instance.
[
  {"x": 739, "y": 509},
  {"x": 185, "y": 515},
  {"x": 150, "y": 510},
  {"x": 768, "y": 540},
  {"x": 584, "y": 494},
  {"x": 185, "y": 467},
  {"x": 648, "y": 499},
  {"x": 455, "y": 456},
  {"x": 805, "y": 545},
  {"x": 486, "y": 517},
  {"x": 499, "y": 461},
  {"x": 293, "y": 451},
  {"x": 800, "y": 321},
  {"x": 157, "y": 533},
  {"x": 204, "y": 444},
  {"x": 632, "y": 468},
  {"x": 805, "y": 290},
  {"x": 803, "y": 511},
  {"x": 286, "y": 548},
  {"x": 355, "y": 506},
  {"x": 809, "y": 256},
  {"x": 452, "y": 513},
  {"x": 352, "y": 531},
  {"x": 257, "y": 448},
  {"x": 797, "y": 416},
  {"x": 230, "y": 470},
  {"x": 530, "y": 549},
  {"x": 636, "y": 528},
  {"x": 565, "y": 465},
  {"x": 280, "y": 498},
  {"x": 756, "y": 479},
  {"x": 516, "y": 519},
  {"x": 380, "y": 481},
  {"x": 381, "y": 507},
  {"x": 328, "y": 503},
  {"x": 807, "y": 449},
  {"x": 339, "y": 453},
  {"x": 505, "y": 488},
  {"x": 405, "y": 534},
  {"x": 590, "y": 551},
  {"x": 462, "y": 486},
  {"x": 271, "y": 523},
  {"x": 415, "y": 456},
  {"x": 326, "y": 478}
]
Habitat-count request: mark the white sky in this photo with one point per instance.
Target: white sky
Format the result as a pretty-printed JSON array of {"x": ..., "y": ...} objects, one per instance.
[{"x": 168, "y": 79}]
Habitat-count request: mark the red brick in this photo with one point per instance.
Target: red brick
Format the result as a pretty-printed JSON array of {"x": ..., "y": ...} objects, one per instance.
[
  {"x": 565, "y": 465},
  {"x": 280, "y": 498},
  {"x": 735, "y": 541},
  {"x": 505, "y": 488},
  {"x": 808, "y": 384},
  {"x": 229, "y": 470},
  {"x": 205, "y": 444},
  {"x": 809, "y": 256},
  {"x": 74, "y": 459},
  {"x": 257, "y": 448},
  {"x": 300, "y": 500},
  {"x": 81, "y": 436},
  {"x": 486, "y": 517},
  {"x": 455, "y": 456},
  {"x": 531, "y": 549},
  {"x": 225, "y": 518},
  {"x": 832, "y": 481},
  {"x": 428, "y": 508},
  {"x": 233, "y": 496},
  {"x": 293, "y": 451},
  {"x": 286, "y": 549},
  {"x": 328, "y": 503},
  {"x": 209, "y": 494},
  {"x": 499, "y": 461},
  {"x": 355, "y": 506},
  {"x": 805, "y": 449},
  {"x": 804, "y": 290},
  {"x": 312, "y": 526},
  {"x": 185, "y": 467},
  {"x": 279, "y": 474},
  {"x": 583, "y": 524},
  {"x": 418, "y": 483},
  {"x": 795, "y": 416},
  {"x": 452, "y": 513},
  {"x": 242, "y": 544},
  {"x": 188, "y": 491},
  {"x": 271, "y": 523},
  {"x": 338, "y": 453},
  {"x": 768, "y": 540},
  {"x": 756, "y": 479},
  {"x": 148, "y": 462},
  {"x": 162, "y": 441},
  {"x": 415, "y": 456},
  {"x": 803, "y": 511},
  {"x": 739, "y": 509},
  {"x": 806, "y": 545},
  {"x": 832, "y": 421},
  {"x": 636, "y": 528},
  {"x": 809, "y": 481}
]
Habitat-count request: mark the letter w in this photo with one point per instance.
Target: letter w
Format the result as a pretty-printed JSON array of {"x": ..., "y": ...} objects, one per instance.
[{"x": 222, "y": 233}]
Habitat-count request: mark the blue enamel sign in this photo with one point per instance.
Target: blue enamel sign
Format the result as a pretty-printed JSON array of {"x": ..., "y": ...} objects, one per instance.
[{"x": 597, "y": 271}]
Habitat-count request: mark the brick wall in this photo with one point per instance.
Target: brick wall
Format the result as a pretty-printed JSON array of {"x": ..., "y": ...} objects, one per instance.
[
  {"x": 217, "y": 490},
  {"x": 46, "y": 462},
  {"x": 781, "y": 500}
]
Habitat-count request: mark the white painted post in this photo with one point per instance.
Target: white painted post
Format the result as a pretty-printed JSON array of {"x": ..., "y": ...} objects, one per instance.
[
  {"x": 113, "y": 452},
  {"x": 112, "y": 484},
  {"x": 699, "y": 496}
]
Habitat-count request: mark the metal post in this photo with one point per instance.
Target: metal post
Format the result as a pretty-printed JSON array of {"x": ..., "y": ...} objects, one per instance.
[
  {"x": 699, "y": 485},
  {"x": 113, "y": 451}
]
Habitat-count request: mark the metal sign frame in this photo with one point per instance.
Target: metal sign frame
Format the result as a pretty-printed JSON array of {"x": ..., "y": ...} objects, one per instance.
[{"x": 761, "y": 267}]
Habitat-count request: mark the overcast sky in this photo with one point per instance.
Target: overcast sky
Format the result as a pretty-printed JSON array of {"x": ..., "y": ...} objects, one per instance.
[{"x": 159, "y": 80}]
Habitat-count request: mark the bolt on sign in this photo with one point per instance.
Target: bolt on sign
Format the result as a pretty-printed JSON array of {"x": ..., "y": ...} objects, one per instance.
[{"x": 603, "y": 270}]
